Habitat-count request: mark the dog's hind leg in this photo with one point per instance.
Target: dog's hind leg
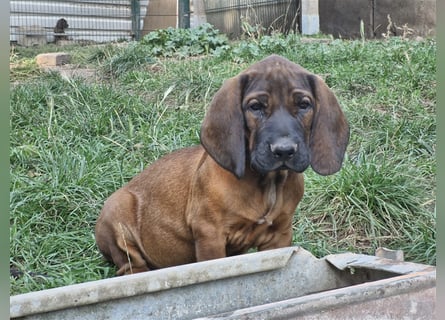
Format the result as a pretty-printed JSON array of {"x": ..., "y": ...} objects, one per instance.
[
  {"x": 127, "y": 254},
  {"x": 115, "y": 236}
]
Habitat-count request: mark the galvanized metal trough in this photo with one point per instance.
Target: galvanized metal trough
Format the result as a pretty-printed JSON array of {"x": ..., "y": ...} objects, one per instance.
[{"x": 288, "y": 283}]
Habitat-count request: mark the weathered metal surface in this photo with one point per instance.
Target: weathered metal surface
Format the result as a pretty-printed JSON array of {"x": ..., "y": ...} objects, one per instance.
[
  {"x": 404, "y": 297},
  {"x": 350, "y": 260},
  {"x": 276, "y": 282}
]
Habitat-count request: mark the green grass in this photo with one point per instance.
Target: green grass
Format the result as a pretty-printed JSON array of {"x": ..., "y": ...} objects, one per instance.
[{"x": 73, "y": 142}]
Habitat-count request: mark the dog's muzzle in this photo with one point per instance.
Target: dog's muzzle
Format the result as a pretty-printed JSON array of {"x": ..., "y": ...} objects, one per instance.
[
  {"x": 283, "y": 149},
  {"x": 282, "y": 154}
]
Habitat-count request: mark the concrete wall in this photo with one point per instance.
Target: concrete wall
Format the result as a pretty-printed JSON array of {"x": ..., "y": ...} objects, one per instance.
[
  {"x": 341, "y": 18},
  {"x": 419, "y": 15}
]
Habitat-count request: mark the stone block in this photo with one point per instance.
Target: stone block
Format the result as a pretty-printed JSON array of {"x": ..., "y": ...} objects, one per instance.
[
  {"x": 53, "y": 59},
  {"x": 29, "y": 36}
]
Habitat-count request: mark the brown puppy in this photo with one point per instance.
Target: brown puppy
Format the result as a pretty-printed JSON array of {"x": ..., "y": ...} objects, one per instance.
[
  {"x": 237, "y": 190},
  {"x": 59, "y": 30}
]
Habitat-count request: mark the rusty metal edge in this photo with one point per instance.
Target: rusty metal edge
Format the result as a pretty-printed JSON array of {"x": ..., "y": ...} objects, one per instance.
[{"x": 346, "y": 260}]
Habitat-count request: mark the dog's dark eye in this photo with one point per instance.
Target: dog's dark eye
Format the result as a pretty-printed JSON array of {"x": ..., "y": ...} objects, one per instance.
[
  {"x": 256, "y": 106},
  {"x": 304, "y": 104}
]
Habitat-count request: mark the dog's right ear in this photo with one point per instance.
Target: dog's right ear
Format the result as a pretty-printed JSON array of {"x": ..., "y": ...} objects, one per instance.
[{"x": 222, "y": 131}]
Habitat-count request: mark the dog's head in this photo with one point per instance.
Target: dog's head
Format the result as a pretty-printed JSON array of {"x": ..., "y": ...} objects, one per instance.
[
  {"x": 61, "y": 25},
  {"x": 275, "y": 115}
]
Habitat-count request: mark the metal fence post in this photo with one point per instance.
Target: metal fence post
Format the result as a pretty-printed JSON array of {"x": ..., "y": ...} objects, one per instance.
[
  {"x": 184, "y": 14},
  {"x": 136, "y": 19}
]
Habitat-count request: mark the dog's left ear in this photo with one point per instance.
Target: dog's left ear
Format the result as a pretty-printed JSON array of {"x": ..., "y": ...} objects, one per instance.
[
  {"x": 222, "y": 131},
  {"x": 330, "y": 130}
]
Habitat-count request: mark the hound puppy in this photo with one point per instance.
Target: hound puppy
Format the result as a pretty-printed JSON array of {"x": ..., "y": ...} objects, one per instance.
[
  {"x": 59, "y": 30},
  {"x": 237, "y": 190}
]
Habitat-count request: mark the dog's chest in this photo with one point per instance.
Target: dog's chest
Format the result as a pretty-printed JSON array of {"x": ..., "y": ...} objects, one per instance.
[
  {"x": 270, "y": 202},
  {"x": 254, "y": 224}
]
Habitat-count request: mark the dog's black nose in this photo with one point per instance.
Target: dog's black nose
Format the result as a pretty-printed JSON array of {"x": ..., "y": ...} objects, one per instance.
[{"x": 283, "y": 149}]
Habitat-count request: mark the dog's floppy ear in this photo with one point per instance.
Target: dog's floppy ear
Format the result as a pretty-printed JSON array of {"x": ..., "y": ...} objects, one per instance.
[
  {"x": 222, "y": 131},
  {"x": 330, "y": 130}
]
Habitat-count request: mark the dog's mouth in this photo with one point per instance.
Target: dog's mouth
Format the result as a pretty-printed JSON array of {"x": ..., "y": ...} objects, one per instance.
[
  {"x": 297, "y": 167},
  {"x": 279, "y": 166},
  {"x": 283, "y": 154},
  {"x": 283, "y": 166}
]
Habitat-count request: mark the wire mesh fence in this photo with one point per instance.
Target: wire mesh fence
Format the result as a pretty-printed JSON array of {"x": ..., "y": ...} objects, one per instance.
[
  {"x": 41, "y": 22},
  {"x": 234, "y": 16},
  {"x": 37, "y": 22}
]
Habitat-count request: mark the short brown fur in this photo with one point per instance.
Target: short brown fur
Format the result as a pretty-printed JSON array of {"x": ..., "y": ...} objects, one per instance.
[{"x": 237, "y": 190}]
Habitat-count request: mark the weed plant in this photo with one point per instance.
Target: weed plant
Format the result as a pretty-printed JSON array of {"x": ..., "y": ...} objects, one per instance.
[{"x": 75, "y": 141}]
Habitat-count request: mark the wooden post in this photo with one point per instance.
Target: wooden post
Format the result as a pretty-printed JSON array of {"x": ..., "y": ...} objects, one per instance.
[{"x": 161, "y": 14}]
